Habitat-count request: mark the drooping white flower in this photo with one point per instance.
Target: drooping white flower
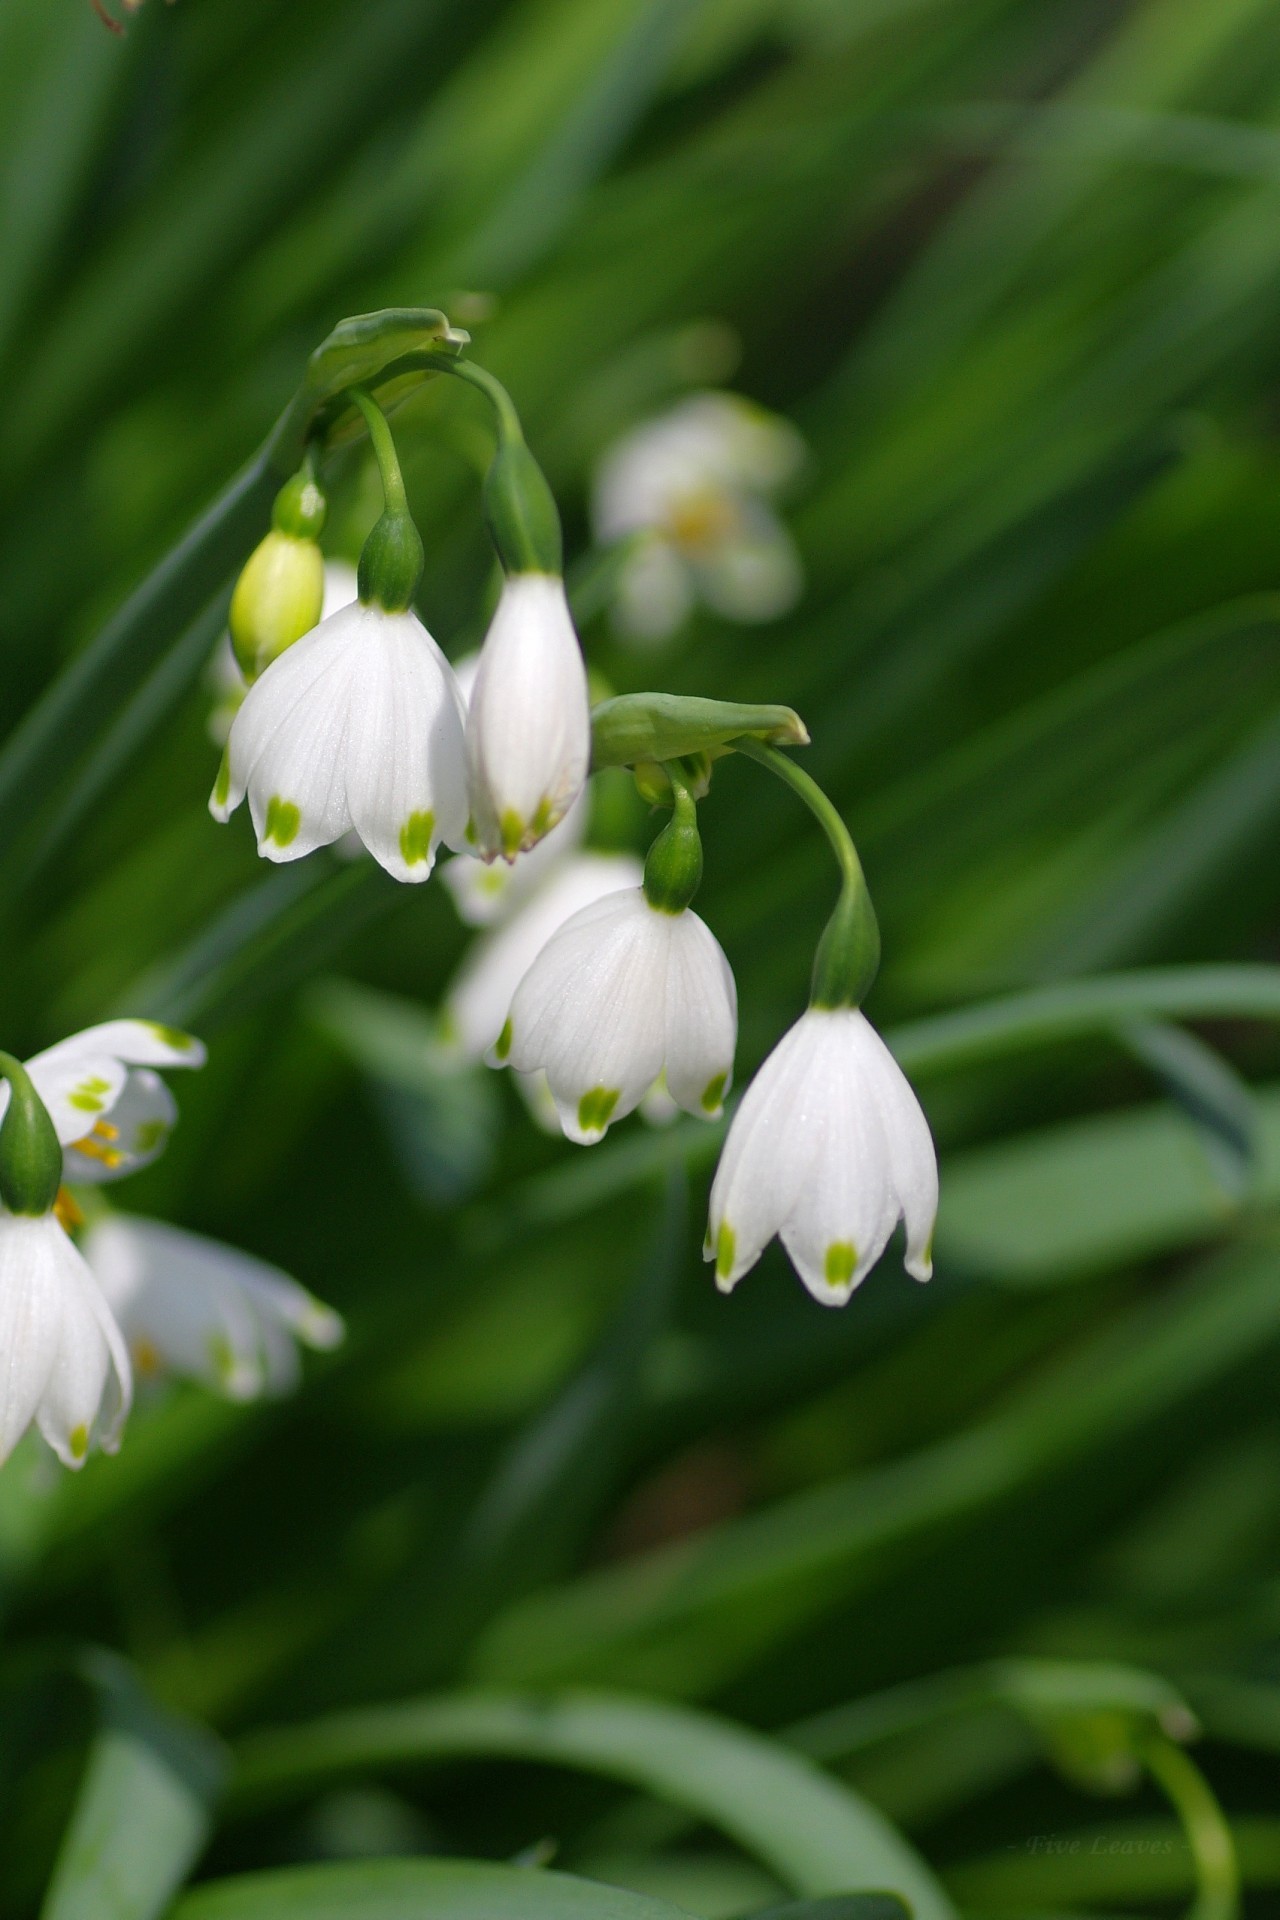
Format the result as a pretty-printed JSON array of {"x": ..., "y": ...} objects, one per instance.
[
  {"x": 223, "y": 677},
  {"x": 529, "y": 719},
  {"x": 479, "y": 1000},
  {"x": 621, "y": 994},
  {"x": 486, "y": 891},
  {"x": 695, "y": 484},
  {"x": 111, "y": 1111},
  {"x": 358, "y": 725},
  {"x": 191, "y": 1306},
  {"x": 63, "y": 1363},
  {"x": 829, "y": 1150}
]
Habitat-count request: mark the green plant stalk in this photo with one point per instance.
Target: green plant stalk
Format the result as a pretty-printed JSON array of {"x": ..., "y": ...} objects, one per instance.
[
  {"x": 848, "y": 955},
  {"x": 1204, "y": 1823}
]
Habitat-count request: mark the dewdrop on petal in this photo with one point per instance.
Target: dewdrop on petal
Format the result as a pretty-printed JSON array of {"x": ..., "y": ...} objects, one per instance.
[{"x": 192, "y": 1306}]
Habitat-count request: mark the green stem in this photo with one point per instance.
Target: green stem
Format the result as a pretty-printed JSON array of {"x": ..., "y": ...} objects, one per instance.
[
  {"x": 814, "y": 798},
  {"x": 384, "y": 448},
  {"x": 848, "y": 955},
  {"x": 509, "y": 427},
  {"x": 1204, "y": 1823}
]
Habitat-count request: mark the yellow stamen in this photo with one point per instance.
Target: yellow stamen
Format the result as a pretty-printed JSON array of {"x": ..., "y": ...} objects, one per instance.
[
  {"x": 89, "y": 1147},
  {"x": 66, "y": 1212},
  {"x": 701, "y": 521}
]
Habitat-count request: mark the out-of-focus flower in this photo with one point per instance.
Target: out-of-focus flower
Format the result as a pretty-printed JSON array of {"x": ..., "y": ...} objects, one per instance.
[
  {"x": 623, "y": 993},
  {"x": 111, "y": 1111},
  {"x": 358, "y": 725},
  {"x": 829, "y": 1150},
  {"x": 692, "y": 489},
  {"x": 64, "y": 1363},
  {"x": 191, "y": 1306}
]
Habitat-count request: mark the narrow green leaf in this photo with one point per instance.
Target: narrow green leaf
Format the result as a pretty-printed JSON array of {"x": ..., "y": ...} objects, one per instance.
[
  {"x": 814, "y": 1832},
  {"x": 1210, "y": 1092},
  {"x": 414, "y": 1890},
  {"x": 144, "y": 1811},
  {"x": 1018, "y": 1021}
]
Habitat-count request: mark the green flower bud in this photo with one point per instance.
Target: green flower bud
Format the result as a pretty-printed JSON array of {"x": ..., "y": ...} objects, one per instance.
[
  {"x": 673, "y": 870},
  {"x": 278, "y": 598},
  {"x": 391, "y": 563},
  {"x": 30, "y": 1154},
  {"x": 522, "y": 516},
  {"x": 848, "y": 956}
]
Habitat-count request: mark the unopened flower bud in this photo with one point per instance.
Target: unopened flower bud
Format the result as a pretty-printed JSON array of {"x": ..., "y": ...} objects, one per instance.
[
  {"x": 30, "y": 1154},
  {"x": 280, "y": 594}
]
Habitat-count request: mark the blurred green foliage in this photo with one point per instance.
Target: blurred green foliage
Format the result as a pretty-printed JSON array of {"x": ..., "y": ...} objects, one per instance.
[{"x": 1013, "y": 267}]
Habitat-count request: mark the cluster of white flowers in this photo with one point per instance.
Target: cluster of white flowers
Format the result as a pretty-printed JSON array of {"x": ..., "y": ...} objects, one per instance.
[
  {"x": 77, "y": 1319},
  {"x": 691, "y": 490},
  {"x": 592, "y": 978}
]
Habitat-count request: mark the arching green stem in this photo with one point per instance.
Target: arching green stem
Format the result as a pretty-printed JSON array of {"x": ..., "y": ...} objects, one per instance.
[
  {"x": 392, "y": 561},
  {"x": 384, "y": 448},
  {"x": 523, "y": 519},
  {"x": 848, "y": 955},
  {"x": 1204, "y": 1823}
]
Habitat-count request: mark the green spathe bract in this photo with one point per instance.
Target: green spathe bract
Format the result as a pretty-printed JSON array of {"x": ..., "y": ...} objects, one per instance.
[
  {"x": 639, "y": 727},
  {"x": 30, "y": 1154}
]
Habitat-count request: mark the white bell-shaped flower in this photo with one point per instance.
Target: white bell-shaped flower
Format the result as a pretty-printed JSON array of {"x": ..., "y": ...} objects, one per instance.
[
  {"x": 829, "y": 1150},
  {"x": 479, "y": 1000},
  {"x": 191, "y": 1306},
  {"x": 111, "y": 1111},
  {"x": 359, "y": 724},
  {"x": 692, "y": 488},
  {"x": 63, "y": 1362},
  {"x": 529, "y": 721},
  {"x": 623, "y": 993}
]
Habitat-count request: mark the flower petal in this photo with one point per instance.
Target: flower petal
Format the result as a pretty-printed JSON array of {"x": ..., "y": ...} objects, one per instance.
[
  {"x": 30, "y": 1321},
  {"x": 406, "y": 781},
  {"x": 134, "y": 1134},
  {"x": 480, "y": 998},
  {"x": 591, "y": 1011},
  {"x": 765, "y": 1159},
  {"x": 701, "y": 1018},
  {"x": 529, "y": 719}
]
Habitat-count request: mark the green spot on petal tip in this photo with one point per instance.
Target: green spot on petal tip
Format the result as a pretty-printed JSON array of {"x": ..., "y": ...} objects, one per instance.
[
  {"x": 222, "y": 785},
  {"x": 172, "y": 1036},
  {"x": 841, "y": 1260},
  {"x": 150, "y": 1135},
  {"x": 415, "y": 838},
  {"x": 78, "y": 1442},
  {"x": 713, "y": 1093},
  {"x": 726, "y": 1248},
  {"x": 283, "y": 821},
  {"x": 511, "y": 833},
  {"x": 503, "y": 1047},
  {"x": 595, "y": 1109},
  {"x": 85, "y": 1102}
]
